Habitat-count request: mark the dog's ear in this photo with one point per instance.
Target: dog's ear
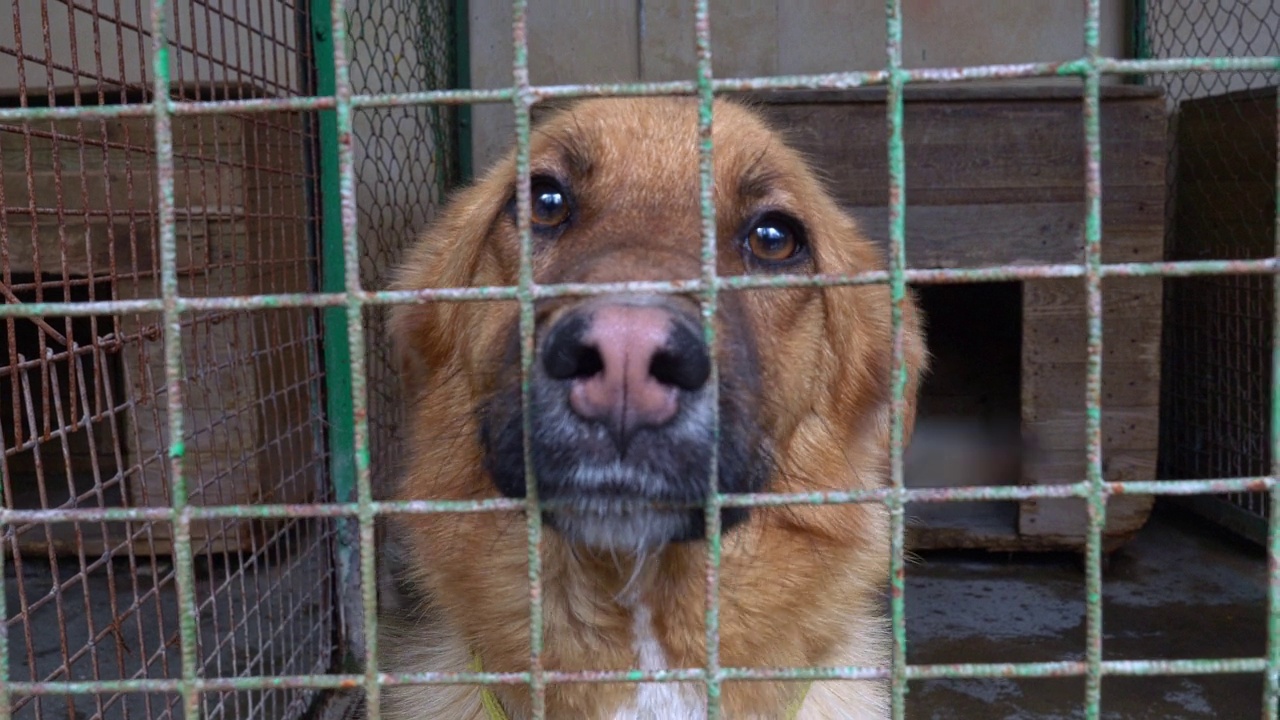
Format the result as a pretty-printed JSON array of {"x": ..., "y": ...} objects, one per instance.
[
  {"x": 446, "y": 255},
  {"x": 549, "y": 108}
]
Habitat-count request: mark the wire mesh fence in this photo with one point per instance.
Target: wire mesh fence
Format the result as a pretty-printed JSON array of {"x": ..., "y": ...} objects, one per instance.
[
  {"x": 86, "y": 398},
  {"x": 405, "y": 162},
  {"x": 1222, "y": 202},
  {"x": 146, "y": 368}
]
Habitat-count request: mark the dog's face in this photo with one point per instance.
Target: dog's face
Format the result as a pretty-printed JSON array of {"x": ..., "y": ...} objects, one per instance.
[
  {"x": 623, "y": 412},
  {"x": 629, "y": 408}
]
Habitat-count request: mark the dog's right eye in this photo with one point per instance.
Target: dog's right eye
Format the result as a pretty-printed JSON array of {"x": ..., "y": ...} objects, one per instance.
[
  {"x": 775, "y": 240},
  {"x": 550, "y": 204}
]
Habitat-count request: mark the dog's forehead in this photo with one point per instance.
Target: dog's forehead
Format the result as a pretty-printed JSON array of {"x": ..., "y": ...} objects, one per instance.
[{"x": 615, "y": 135}]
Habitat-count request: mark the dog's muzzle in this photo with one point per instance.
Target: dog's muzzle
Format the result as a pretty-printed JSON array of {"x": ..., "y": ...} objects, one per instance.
[{"x": 622, "y": 426}]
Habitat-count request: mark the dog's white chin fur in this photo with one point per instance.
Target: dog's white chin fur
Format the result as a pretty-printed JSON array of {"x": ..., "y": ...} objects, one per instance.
[{"x": 619, "y": 526}]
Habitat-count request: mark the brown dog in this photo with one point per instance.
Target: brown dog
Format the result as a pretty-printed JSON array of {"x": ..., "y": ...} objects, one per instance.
[{"x": 623, "y": 429}]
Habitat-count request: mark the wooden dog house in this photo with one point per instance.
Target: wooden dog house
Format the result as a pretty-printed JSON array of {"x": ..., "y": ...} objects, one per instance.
[{"x": 996, "y": 176}]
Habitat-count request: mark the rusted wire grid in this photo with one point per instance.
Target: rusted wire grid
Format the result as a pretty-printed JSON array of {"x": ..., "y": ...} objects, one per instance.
[
  {"x": 106, "y": 420},
  {"x": 166, "y": 216},
  {"x": 998, "y": 273},
  {"x": 1097, "y": 502},
  {"x": 523, "y": 102},
  {"x": 976, "y": 493},
  {"x": 1093, "y": 489},
  {"x": 1059, "y": 669},
  {"x": 708, "y": 302},
  {"x": 821, "y": 81}
]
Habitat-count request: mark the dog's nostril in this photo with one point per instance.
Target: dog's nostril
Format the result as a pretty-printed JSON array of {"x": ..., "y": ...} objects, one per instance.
[
  {"x": 586, "y": 362},
  {"x": 683, "y": 363},
  {"x": 567, "y": 360},
  {"x": 687, "y": 371},
  {"x": 567, "y": 355}
]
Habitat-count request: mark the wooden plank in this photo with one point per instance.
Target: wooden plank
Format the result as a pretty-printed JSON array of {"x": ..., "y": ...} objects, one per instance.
[
  {"x": 977, "y": 92},
  {"x": 1233, "y": 129},
  {"x": 995, "y": 527},
  {"x": 951, "y": 33},
  {"x": 667, "y": 41},
  {"x": 1062, "y": 429},
  {"x": 1061, "y": 385},
  {"x": 1225, "y": 189},
  {"x": 1032, "y": 152},
  {"x": 746, "y": 38},
  {"x": 602, "y": 47},
  {"x": 106, "y": 248},
  {"x": 820, "y": 36},
  {"x": 958, "y": 236},
  {"x": 1062, "y": 467},
  {"x": 1062, "y": 340},
  {"x": 970, "y": 526},
  {"x": 1064, "y": 521},
  {"x": 1065, "y": 298},
  {"x": 1054, "y": 338},
  {"x": 980, "y": 235}
]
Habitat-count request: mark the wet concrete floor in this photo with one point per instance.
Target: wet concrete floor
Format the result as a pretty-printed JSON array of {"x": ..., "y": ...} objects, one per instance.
[{"x": 1178, "y": 590}]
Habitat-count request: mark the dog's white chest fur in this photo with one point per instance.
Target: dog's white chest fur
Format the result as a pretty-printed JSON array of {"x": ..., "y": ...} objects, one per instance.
[{"x": 658, "y": 701}]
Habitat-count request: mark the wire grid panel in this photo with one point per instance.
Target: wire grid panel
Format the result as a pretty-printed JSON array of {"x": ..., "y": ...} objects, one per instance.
[
  {"x": 1222, "y": 202},
  {"x": 177, "y": 305},
  {"x": 85, "y": 421}
]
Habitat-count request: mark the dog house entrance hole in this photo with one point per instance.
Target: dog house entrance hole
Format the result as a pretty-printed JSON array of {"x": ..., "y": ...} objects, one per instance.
[{"x": 968, "y": 430}]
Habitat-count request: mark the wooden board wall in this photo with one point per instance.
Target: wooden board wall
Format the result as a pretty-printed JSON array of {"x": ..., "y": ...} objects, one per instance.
[
  {"x": 581, "y": 41},
  {"x": 996, "y": 176}
]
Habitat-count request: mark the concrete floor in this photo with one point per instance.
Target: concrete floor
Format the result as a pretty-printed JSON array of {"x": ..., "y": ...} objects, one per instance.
[{"x": 1178, "y": 590}]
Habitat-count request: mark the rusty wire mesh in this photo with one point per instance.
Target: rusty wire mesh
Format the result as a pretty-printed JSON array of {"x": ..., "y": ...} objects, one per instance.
[
  {"x": 1222, "y": 160},
  {"x": 84, "y": 398}
]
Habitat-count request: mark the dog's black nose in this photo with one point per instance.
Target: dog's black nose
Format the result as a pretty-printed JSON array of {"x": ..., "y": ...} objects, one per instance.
[{"x": 627, "y": 363}]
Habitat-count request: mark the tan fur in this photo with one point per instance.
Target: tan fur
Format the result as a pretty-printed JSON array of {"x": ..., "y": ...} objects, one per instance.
[{"x": 800, "y": 585}]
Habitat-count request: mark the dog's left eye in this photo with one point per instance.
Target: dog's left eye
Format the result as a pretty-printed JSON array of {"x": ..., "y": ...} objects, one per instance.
[
  {"x": 774, "y": 238},
  {"x": 550, "y": 203}
]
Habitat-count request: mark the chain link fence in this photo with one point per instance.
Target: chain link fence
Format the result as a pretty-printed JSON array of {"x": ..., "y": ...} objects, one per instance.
[
  {"x": 1221, "y": 205},
  {"x": 405, "y": 162}
]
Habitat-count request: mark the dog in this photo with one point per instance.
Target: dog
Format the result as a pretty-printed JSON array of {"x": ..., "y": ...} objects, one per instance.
[{"x": 624, "y": 394}]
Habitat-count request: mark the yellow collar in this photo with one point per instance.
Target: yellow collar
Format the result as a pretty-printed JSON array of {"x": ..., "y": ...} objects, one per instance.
[{"x": 493, "y": 707}]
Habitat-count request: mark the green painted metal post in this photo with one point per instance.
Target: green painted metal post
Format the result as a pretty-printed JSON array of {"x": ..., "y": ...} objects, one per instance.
[
  {"x": 337, "y": 356},
  {"x": 337, "y": 381},
  {"x": 462, "y": 81}
]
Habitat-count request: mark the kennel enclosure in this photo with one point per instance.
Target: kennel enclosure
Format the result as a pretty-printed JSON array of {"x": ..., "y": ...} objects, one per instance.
[{"x": 200, "y": 204}]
